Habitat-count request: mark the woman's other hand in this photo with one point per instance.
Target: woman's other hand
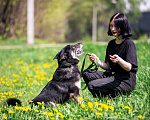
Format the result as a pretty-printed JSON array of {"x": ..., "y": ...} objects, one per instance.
[
  {"x": 115, "y": 58},
  {"x": 125, "y": 65}
]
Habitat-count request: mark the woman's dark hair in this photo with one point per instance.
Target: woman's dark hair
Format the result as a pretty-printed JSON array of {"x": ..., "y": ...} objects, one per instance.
[{"x": 122, "y": 24}]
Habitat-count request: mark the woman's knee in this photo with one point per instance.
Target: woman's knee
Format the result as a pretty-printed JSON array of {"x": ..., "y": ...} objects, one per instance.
[{"x": 90, "y": 86}]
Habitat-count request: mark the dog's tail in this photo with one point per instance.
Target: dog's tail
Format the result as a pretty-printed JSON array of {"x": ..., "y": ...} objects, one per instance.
[{"x": 12, "y": 102}]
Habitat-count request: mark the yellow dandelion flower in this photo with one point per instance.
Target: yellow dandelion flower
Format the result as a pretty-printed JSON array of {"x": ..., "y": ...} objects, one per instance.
[
  {"x": 104, "y": 106},
  {"x": 43, "y": 107},
  {"x": 62, "y": 116},
  {"x": 99, "y": 109},
  {"x": 17, "y": 107},
  {"x": 80, "y": 119},
  {"x": 119, "y": 112},
  {"x": 11, "y": 112},
  {"x": 39, "y": 103},
  {"x": 98, "y": 113},
  {"x": 55, "y": 110},
  {"x": 52, "y": 118},
  {"x": 15, "y": 75},
  {"x": 37, "y": 72},
  {"x": 127, "y": 107},
  {"x": 115, "y": 113},
  {"x": 26, "y": 108},
  {"x": 111, "y": 107},
  {"x": 45, "y": 112},
  {"x": 31, "y": 93},
  {"x": 69, "y": 119},
  {"x": 30, "y": 101},
  {"x": 36, "y": 111},
  {"x": 14, "y": 81},
  {"x": 58, "y": 104},
  {"x": 87, "y": 98},
  {"x": 90, "y": 105},
  {"x": 59, "y": 113},
  {"x": 3, "y": 96},
  {"x": 80, "y": 98},
  {"x": 41, "y": 116},
  {"x": 41, "y": 82},
  {"x": 5, "y": 116},
  {"x": 96, "y": 104},
  {"x": 144, "y": 47},
  {"x": 108, "y": 101},
  {"x": 144, "y": 93},
  {"x": 82, "y": 105},
  {"x": 50, "y": 114},
  {"x": 140, "y": 116},
  {"x": 31, "y": 66},
  {"x": 20, "y": 95}
]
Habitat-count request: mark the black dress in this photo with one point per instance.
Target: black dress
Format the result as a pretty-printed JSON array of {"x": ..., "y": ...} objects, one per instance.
[{"x": 115, "y": 80}]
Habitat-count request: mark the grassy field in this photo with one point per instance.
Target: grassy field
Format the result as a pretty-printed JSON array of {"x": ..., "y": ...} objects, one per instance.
[{"x": 25, "y": 71}]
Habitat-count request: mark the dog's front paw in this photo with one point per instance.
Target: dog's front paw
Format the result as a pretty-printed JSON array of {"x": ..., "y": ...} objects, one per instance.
[{"x": 77, "y": 99}]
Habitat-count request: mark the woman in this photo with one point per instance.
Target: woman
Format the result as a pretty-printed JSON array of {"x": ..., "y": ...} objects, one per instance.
[{"x": 120, "y": 62}]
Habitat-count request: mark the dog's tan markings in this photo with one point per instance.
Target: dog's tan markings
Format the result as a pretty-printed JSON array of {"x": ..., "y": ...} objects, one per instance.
[
  {"x": 52, "y": 103},
  {"x": 73, "y": 54},
  {"x": 78, "y": 84}
]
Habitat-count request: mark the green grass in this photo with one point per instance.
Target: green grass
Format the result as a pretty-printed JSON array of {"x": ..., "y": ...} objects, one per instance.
[
  {"x": 25, "y": 71},
  {"x": 20, "y": 41}
]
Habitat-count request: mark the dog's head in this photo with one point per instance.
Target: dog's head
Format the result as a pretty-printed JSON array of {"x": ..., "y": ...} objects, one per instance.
[{"x": 69, "y": 54}]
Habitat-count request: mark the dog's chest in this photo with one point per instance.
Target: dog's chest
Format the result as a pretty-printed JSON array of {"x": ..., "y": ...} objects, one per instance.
[{"x": 67, "y": 73}]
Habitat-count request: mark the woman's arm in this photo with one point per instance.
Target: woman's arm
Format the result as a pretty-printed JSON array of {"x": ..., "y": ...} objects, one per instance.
[
  {"x": 125, "y": 65},
  {"x": 103, "y": 65}
]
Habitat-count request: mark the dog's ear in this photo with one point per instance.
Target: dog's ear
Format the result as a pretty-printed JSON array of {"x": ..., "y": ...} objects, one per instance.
[{"x": 59, "y": 55}]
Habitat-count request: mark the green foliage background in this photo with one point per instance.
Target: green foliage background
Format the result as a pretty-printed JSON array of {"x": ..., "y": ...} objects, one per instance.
[{"x": 63, "y": 20}]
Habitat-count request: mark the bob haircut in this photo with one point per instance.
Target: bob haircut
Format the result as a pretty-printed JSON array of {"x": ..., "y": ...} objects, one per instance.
[{"x": 121, "y": 23}]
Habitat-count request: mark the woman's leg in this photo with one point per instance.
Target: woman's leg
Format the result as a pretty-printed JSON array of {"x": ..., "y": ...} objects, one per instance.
[
  {"x": 108, "y": 86},
  {"x": 103, "y": 86},
  {"x": 101, "y": 83}
]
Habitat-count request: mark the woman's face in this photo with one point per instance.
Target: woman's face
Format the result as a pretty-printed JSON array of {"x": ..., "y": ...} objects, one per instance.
[{"x": 113, "y": 28}]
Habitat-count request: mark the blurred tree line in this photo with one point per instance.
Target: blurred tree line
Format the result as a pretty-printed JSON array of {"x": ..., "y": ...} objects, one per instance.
[{"x": 63, "y": 20}]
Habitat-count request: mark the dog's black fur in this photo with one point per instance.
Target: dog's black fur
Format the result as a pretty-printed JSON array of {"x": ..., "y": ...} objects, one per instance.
[{"x": 66, "y": 80}]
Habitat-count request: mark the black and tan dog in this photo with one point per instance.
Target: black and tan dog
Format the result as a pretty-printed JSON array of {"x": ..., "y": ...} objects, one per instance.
[{"x": 66, "y": 82}]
